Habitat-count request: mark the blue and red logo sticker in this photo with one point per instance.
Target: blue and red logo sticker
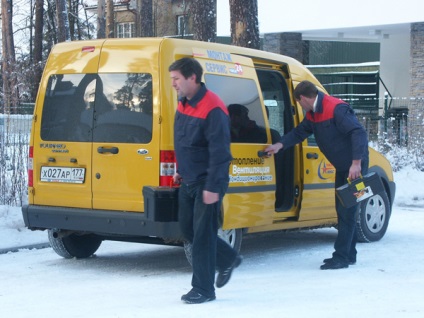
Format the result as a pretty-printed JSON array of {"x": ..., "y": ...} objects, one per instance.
[{"x": 326, "y": 170}]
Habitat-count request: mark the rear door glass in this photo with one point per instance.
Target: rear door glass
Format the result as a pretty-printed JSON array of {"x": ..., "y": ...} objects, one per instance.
[
  {"x": 101, "y": 108},
  {"x": 123, "y": 108},
  {"x": 67, "y": 97}
]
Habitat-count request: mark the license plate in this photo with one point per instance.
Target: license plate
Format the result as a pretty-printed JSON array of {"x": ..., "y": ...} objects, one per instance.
[{"x": 62, "y": 174}]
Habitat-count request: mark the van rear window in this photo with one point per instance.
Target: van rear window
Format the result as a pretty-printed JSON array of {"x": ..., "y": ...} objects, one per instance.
[{"x": 114, "y": 108}]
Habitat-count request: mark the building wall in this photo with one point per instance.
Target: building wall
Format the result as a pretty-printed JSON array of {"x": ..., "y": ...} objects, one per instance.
[
  {"x": 417, "y": 60},
  {"x": 394, "y": 65},
  {"x": 416, "y": 107},
  {"x": 289, "y": 44}
]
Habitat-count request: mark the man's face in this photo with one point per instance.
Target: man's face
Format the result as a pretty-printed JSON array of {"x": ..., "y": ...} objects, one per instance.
[
  {"x": 240, "y": 120},
  {"x": 185, "y": 87},
  {"x": 306, "y": 103}
]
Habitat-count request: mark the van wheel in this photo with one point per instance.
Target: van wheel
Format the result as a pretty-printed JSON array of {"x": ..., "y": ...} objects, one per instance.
[
  {"x": 74, "y": 245},
  {"x": 233, "y": 237},
  {"x": 373, "y": 218}
]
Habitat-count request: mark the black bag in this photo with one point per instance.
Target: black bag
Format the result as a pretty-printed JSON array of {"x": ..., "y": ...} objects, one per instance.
[
  {"x": 161, "y": 203},
  {"x": 359, "y": 189}
]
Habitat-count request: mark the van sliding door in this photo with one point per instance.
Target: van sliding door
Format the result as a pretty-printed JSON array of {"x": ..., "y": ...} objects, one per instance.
[{"x": 251, "y": 193}]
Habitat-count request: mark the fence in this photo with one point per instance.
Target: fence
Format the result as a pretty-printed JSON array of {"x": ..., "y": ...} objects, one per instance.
[
  {"x": 14, "y": 140},
  {"x": 397, "y": 131}
]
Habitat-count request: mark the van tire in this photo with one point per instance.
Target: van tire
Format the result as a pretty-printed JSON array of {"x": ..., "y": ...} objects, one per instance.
[
  {"x": 233, "y": 237},
  {"x": 74, "y": 245},
  {"x": 373, "y": 218}
]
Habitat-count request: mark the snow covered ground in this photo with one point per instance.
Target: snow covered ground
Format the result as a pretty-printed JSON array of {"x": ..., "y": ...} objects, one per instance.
[{"x": 279, "y": 277}]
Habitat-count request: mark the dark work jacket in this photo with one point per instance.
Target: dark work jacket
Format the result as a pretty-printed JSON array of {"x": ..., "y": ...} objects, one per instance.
[
  {"x": 338, "y": 133},
  {"x": 202, "y": 140}
]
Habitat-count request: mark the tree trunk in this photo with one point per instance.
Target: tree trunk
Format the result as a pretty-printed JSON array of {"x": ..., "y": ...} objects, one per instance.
[
  {"x": 38, "y": 46},
  {"x": 110, "y": 19},
  {"x": 63, "y": 33},
  {"x": 101, "y": 21},
  {"x": 72, "y": 19},
  {"x": 204, "y": 20},
  {"x": 10, "y": 90},
  {"x": 146, "y": 18},
  {"x": 244, "y": 23}
]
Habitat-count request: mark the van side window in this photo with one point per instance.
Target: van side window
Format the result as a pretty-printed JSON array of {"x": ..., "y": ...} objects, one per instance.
[
  {"x": 100, "y": 108},
  {"x": 241, "y": 96},
  {"x": 277, "y": 101},
  {"x": 123, "y": 108}
]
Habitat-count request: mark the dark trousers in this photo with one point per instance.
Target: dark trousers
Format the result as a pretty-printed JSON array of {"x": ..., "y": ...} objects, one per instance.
[
  {"x": 199, "y": 224},
  {"x": 345, "y": 245}
]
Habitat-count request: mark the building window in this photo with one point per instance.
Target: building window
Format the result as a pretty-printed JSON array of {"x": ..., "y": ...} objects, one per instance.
[
  {"x": 182, "y": 25},
  {"x": 126, "y": 30}
]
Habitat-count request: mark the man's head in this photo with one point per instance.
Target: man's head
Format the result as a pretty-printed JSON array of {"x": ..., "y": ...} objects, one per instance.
[
  {"x": 305, "y": 94},
  {"x": 186, "y": 74},
  {"x": 238, "y": 115}
]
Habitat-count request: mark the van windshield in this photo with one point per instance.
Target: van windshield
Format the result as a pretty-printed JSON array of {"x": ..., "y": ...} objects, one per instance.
[{"x": 98, "y": 107}]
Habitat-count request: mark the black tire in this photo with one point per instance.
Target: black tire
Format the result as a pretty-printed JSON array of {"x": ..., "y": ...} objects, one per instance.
[
  {"x": 79, "y": 246},
  {"x": 233, "y": 237},
  {"x": 373, "y": 218}
]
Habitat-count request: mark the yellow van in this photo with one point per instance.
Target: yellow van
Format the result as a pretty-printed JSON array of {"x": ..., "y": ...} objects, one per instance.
[{"x": 101, "y": 154}]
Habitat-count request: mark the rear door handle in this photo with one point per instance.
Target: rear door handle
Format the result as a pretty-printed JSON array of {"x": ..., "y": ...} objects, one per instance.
[
  {"x": 312, "y": 155},
  {"x": 112, "y": 150}
]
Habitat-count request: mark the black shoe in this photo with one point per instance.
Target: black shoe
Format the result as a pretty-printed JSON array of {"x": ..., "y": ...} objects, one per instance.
[
  {"x": 193, "y": 297},
  {"x": 329, "y": 260},
  {"x": 225, "y": 274},
  {"x": 334, "y": 264}
]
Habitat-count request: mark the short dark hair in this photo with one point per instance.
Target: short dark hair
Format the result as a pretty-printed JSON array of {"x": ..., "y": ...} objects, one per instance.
[
  {"x": 237, "y": 109},
  {"x": 187, "y": 66},
  {"x": 305, "y": 88}
]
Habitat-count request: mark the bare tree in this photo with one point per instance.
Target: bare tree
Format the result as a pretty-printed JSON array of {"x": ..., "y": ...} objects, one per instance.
[
  {"x": 162, "y": 11},
  {"x": 10, "y": 90},
  {"x": 38, "y": 45},
  {"x": 74, "y": 21},
  {"x": 64, "y": 33},
  {"x": 50, "y": 24},
  {"x": 146, "y": 18},
  {"x": 204, "y": 20},
  {"x": 101, "y": 21},
  {"x": 244, "y": 23}
]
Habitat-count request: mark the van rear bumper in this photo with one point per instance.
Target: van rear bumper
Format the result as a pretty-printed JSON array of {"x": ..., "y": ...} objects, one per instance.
[{"x": 102, "y": 222}]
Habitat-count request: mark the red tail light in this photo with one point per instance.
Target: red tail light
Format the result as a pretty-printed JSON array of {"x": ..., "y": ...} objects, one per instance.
[
  {"x": 88, "y": 49},
  {"x": 168, "y": 167},
  {"x": 30, "y": 166}
]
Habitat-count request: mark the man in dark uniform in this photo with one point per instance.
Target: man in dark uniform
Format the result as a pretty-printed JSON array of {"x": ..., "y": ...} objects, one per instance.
[
  {"x": 343, "y": 140},
  {"x": 202, "y": 148}
]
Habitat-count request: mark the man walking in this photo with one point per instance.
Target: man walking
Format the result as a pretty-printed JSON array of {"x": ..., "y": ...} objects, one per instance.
[
  {"x": 202, "y": 148},
  {"x": 343, "y": 140}
]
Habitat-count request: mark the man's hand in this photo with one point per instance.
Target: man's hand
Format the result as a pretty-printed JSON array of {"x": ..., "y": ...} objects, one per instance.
[
  {"x": 177, "y": 178},
  {"x": 273, "y": 149},
  {"x": 355, "y": 170},
  {"x": 210, "y": 197}
]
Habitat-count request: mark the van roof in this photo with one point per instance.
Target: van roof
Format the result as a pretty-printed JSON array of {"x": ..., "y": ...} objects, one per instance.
[{"x": 185, "y": 47}]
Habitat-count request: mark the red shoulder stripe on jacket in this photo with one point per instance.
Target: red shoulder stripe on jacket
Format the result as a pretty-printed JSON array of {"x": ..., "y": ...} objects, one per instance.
[
  {"x": 209, "y": 102},
  {"x": 328, "y": 105}
]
